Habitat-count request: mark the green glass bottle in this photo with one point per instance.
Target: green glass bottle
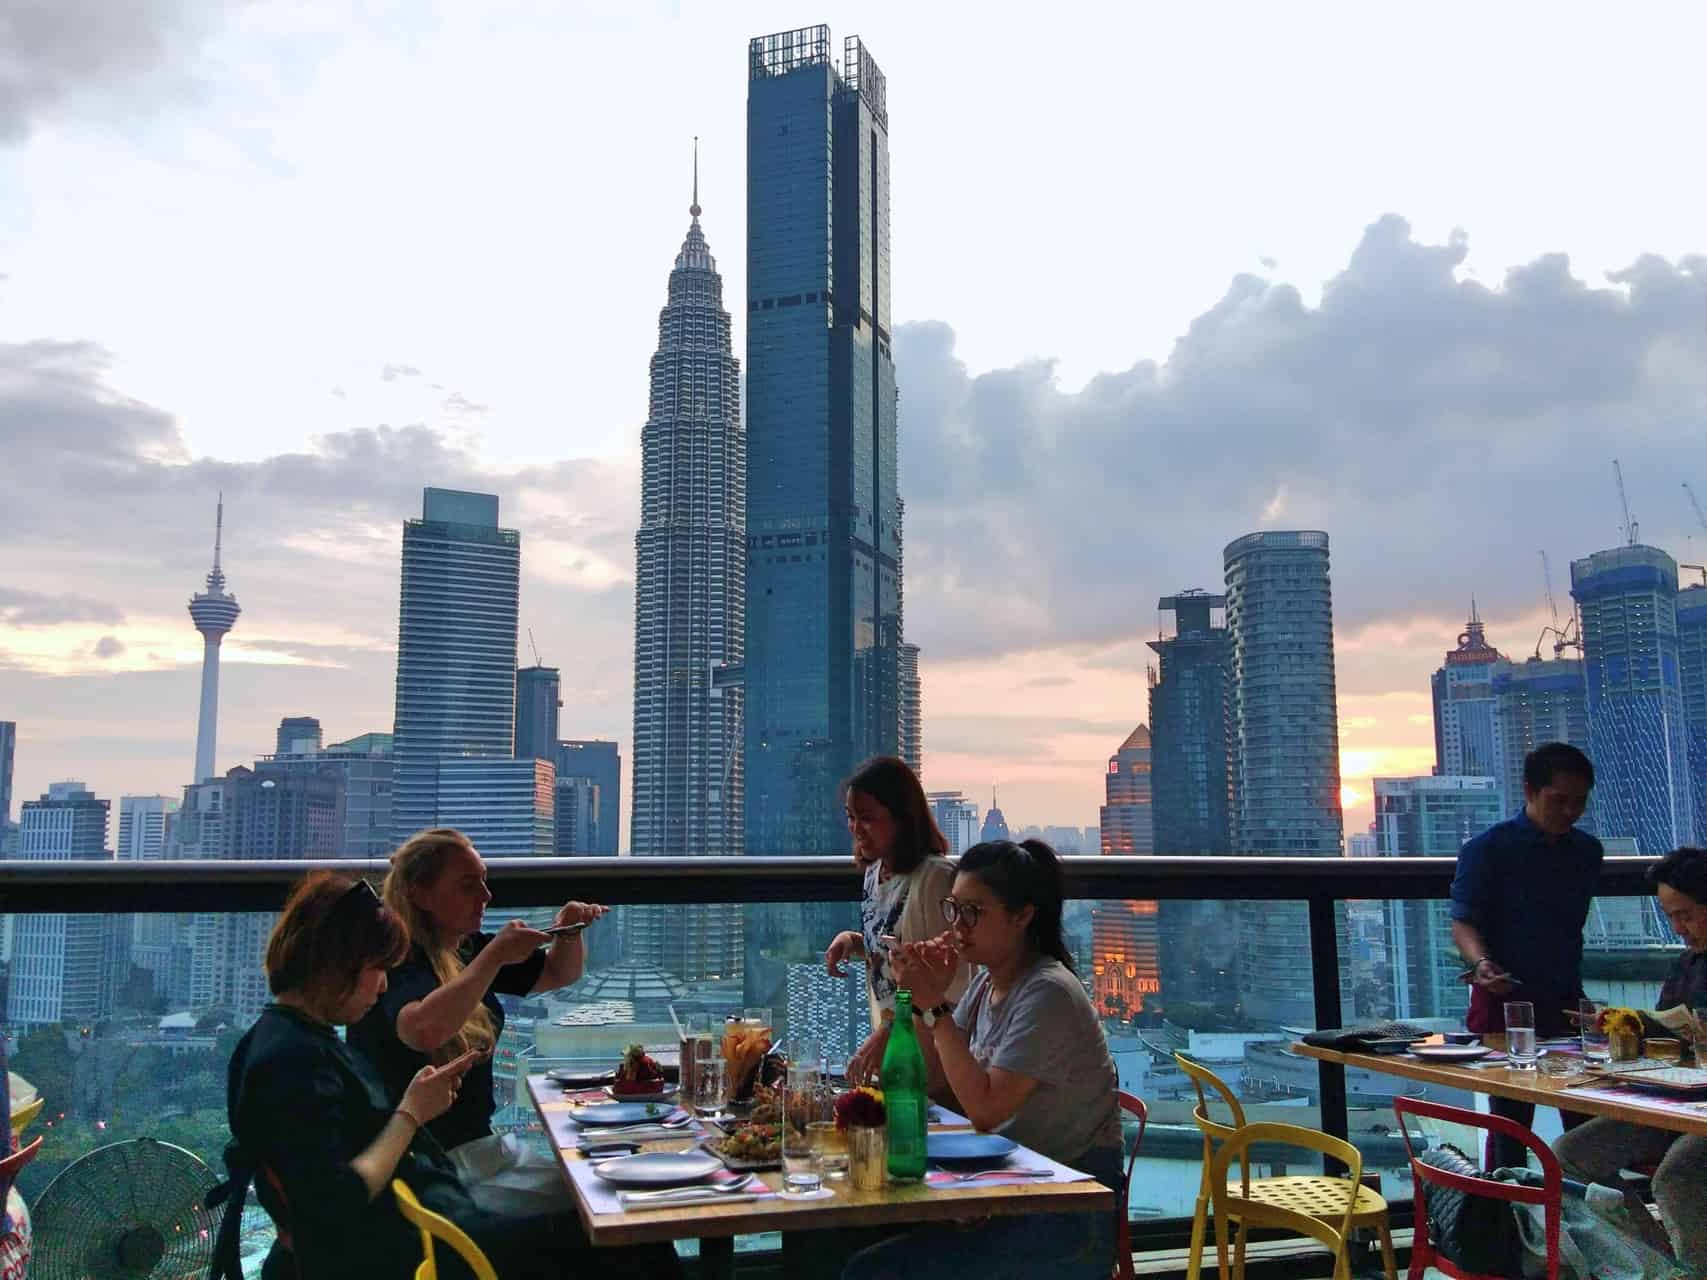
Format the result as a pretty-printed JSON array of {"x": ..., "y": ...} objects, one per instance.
[{"x": 904, "y": 1094}]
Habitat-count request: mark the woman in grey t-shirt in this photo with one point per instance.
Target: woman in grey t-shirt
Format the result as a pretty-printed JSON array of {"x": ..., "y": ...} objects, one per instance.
[{"x": 1024, "y": 1056}]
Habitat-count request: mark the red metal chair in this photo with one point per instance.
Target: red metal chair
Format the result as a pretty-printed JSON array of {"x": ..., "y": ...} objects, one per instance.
[
  {"x": 1132, "y": 1105},
  {"x": 1549, "y": 1195}
]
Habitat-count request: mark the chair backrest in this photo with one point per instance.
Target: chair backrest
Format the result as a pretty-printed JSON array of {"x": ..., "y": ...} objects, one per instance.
[
  {"x": 23, "y": 1115},
  {"x": 1267, "y": 1214},
  {"x": 1132, "y": 1105},
  {"x": 433, "y": 1226},
  {"x": 1549, "y": 1195}
]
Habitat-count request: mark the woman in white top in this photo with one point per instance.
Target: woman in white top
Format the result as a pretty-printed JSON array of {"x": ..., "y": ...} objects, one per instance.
[{"x": 897, "y": 843}]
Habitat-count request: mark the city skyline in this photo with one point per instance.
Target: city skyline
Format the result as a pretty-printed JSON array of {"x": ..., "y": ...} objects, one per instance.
[{"x": 99, "y": 674}]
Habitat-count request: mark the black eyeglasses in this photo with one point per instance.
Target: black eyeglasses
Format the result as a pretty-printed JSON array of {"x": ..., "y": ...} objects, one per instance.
[{"x": 968, "y": 913}]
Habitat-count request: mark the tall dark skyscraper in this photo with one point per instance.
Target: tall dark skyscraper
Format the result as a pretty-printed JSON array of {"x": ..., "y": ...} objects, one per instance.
[
  {"x": 1466, "y": 719},
  {"x": 8, "y": 757},
  {"x": 823, "y": 578},
  {"x": 538, "y": 698},
  {"x": 1536, "y": 702},
  {"x": 690, "y": 578},
  {"x": 1191, "y": 802},
  {"x": 456, "y": 646},
  {"x": 1285, "y": 749},
  {"x": 1692, "y": 663}
]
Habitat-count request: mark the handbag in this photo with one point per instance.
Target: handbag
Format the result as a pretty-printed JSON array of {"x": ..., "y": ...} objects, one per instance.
[{"x": 1474, "y": 1232}]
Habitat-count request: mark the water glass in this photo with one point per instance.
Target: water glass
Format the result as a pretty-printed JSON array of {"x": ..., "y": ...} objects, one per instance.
[
  {"x": 698, "y": 1044},
  {"x": 829, "y": 1149},
  {"x": 1520, "y": 1043},
  {"x": 1597, "y": 1045},
  {"x": 710, "y": 1087},
  {"x": 801, "y": 1105}
]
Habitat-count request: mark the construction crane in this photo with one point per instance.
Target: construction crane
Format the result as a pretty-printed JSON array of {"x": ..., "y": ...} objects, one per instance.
[
  {"x": 1632, "y": 530},
  {"x": 1695, "y": 502},
  {"x": 537, "y": 660},
  {"x": 1563, "y": 637}
]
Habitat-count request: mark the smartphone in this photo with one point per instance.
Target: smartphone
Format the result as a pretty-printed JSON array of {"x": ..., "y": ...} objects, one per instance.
[
  {"x": 1469, "y": 975},
  {"x": 563, "y": 930}
]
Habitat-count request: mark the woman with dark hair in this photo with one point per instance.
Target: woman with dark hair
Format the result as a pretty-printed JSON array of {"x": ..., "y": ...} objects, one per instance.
[
  {"x": 1024, "y": 1055},
  {"x": 1596, "y": 1151},
  {"x": 900, "y": 850},
  {"x": 314, "y": 1129}
]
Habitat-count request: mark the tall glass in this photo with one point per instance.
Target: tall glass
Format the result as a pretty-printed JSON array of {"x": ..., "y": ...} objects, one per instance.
[
  {"x": 802, "y": 1103},
  {"x": 1597, "y": 1045},
  {"x": 698, "y": 1045},
  {"x": 710, "y": 1087},
  {"x": 1520, "y": 1044}
]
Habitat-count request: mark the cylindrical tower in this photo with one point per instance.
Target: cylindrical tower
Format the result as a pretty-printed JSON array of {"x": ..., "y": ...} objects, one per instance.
[{"x": 214, "y": 612}]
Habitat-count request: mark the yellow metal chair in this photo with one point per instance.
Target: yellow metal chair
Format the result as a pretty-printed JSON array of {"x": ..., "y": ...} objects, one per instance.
[
  {"x": 22, "y": 1117},
  {"x": 1320, "y": 1198},
  {"x": 1322, "y": 1212},
  {"x": 435, "y": 1226}
]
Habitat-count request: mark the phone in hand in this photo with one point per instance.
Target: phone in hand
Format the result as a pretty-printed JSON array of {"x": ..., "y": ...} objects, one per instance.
[
  {"x": 1469, "y": 975},
  {"x": 564, "y": 930}
]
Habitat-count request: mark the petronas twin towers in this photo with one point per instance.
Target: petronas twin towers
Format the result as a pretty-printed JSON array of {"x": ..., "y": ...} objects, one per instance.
[{"x": 690, "y": 574}]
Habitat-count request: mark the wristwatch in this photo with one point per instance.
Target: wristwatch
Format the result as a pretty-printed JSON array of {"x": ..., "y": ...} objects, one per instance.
[{"x": 929, "y": 1016}]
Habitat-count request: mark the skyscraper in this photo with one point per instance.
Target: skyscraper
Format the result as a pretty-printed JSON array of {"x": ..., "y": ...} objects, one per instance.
[
  {"x": 1126, "y": 818},
  {"x": 142, "y": 827},
  {"x": 957, "y": 819},
  {"x": 159, "y": 941},
  {"x": 690, "y": 578},
  {"x": 365, "y": 774},
  {"x": 1466, "y": 728},
  {"x": 1284, "y": 744},
  {"x": 600, "y": 763},
  {"x": 911, "y": 744},
  {"x": 298, "y": 735},
  {"x": 823, "y": 579},
  {"x": 1692, "y": 666},
  {"x": 1428, "y": 817},
  {"x": 507, "y": 808},
  {"x": 1537, "y": 701},
  {"x": 995, "y": 823},
  {"x": 214, "y": 612},
  {"x": 1192, "y": 802},
  {"x": 538, "y": 697},
  {"x": 456, "y": 647},
  {"x": 1638, "y": 736},
  {"x": 8, "y": 754},
  {"x": 65, "y": 967}
]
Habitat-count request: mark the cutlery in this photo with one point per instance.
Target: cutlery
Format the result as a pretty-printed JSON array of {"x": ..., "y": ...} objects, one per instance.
[
  {"x": 699, "y": 1189},
  {"x": 998, "y": 1173},
  {"x": 685, "y": 1122}
]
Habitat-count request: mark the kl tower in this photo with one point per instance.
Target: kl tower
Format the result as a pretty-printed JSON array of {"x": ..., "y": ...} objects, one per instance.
[{"x": 214, "y": 612}]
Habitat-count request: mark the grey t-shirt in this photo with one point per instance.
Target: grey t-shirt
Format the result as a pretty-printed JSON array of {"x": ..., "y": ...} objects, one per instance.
[{"x": 1045, "y": 1028}]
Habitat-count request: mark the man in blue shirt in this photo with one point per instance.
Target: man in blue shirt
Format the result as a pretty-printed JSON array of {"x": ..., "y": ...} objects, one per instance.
[{"x": 1520, "y": 898}]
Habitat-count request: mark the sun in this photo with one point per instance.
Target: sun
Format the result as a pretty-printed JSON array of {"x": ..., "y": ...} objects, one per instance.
[{"x": 1350, "y": 797}]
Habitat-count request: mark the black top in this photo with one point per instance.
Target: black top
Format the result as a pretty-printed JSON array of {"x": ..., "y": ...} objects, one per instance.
[
  {"x": 470, "y": 1116},
  {"x": 302, "y": 1106},
  {"x": 1528, "y": 896},
  {"x": 1686, "y": 984}
]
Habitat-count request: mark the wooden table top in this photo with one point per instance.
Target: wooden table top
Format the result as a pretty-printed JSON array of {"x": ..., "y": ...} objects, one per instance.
[
  {"x": 1582, "y": 1091},
  {"x": 895, "y": 1205}
]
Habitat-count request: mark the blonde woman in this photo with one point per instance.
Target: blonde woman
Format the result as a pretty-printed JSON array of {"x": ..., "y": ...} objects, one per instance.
[{"x": 441, "y": 1003}]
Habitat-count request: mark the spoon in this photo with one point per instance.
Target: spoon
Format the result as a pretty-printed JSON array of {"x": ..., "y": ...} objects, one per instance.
[{"x": 721, "y": 1188}]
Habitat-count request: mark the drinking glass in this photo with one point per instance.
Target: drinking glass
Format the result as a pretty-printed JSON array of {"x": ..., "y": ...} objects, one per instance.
[
  {"x": 1597, "y": 1045},
  {"x": 829, "y": 1149},
  {"x": 801, "y": 1105},
  {"x": 710, "y": 1087},
  {"x": 1520, "y": 1045},
  {"x": 698, "y": 1044}
]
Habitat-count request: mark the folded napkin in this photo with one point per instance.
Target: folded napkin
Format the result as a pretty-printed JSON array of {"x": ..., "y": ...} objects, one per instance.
[
  {"x": 565, "y": 1133},
  {"x": 1008, "y": 1176},
  {"x": 700, "y": 1195},
  {"x": 601, "y": 1197}
]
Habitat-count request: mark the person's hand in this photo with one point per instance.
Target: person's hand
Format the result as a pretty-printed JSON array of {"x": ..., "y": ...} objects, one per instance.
[
  {"x": 1491, "y": 978},
  {"x": 925, "y": 969},
  {"x": 862, "y": 1067},
  {"x": 579, "y": 913},
  {"x": 846, "y": 945},
  {"x": 516, "y": 941},
  {"x": 433, "y": 1089}
]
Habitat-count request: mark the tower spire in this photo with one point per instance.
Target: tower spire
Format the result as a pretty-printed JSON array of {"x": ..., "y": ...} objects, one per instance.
[
  {"x": 694, "y": 207},
  {"x": 216, "y": 579}
]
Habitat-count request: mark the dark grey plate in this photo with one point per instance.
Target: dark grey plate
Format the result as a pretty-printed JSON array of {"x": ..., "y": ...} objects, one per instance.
[
  {"x": 659, "y": 1169},
  {"x": 968, "y": 1148}
]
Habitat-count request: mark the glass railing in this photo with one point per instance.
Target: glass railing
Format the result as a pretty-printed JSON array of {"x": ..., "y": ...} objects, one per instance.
[{"x": 128, "y": 984}]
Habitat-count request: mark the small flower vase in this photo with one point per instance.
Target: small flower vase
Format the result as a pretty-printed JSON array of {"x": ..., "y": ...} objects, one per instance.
[
  {"x": 1626, "y": 1045},
  {"x": 868, "y": 1157}
]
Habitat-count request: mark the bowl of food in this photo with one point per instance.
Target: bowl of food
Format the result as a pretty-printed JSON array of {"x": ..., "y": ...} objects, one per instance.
[{"x": 638, "y": 1075}]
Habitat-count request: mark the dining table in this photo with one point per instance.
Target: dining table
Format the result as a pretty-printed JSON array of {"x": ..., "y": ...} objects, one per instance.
[
  {"x": 943, "y": 1196},
  {"x": 1582, "y": 1089}
]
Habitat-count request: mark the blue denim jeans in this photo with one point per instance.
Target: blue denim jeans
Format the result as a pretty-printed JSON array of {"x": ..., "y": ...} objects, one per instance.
[{"x": 1063, "y": 1246}]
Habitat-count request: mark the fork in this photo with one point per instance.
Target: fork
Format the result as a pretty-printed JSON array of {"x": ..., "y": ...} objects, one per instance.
[
  {"x": 698, "y": 1189},
  {"x": 998, "y": 1173}
]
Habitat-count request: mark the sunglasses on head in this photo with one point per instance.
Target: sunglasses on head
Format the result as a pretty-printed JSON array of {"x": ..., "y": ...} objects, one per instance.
[{"x": 359, "y": 896}]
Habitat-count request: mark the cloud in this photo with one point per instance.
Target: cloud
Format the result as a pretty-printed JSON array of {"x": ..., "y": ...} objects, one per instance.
[
  {"x": 41, "y": 609},
  {"x": 109, "y": 647},
  {"x": 392, "y": 372},
  {"x": 57, "y": 56},
  {"x": 1440, "y": 430}
]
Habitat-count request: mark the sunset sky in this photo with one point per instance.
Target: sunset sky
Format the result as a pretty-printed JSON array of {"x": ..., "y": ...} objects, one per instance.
[{"x": 1163, "y": 276}]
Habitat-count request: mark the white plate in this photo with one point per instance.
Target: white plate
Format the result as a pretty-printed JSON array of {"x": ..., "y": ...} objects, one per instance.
[
  {"x": 1451, "y": 1052},
  {"x": 655, "y": 1095},
  {"x": 659, "y": 1169},
  {"x": 1665, "y": 1080}
]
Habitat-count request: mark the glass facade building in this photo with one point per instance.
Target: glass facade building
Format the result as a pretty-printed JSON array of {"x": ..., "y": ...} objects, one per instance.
[
  {"x": 1466, "y": 726},
  {"x": 600, "y": 763},
  {"x": 1638, "y": 737},
  {"x": 538, "y": 697},
  {"x": 823, "y": 574},
  {"x": 456, "y": 647},
  {"x": 1692, "y": 670},
  {"x": 1537, "y": 701}
]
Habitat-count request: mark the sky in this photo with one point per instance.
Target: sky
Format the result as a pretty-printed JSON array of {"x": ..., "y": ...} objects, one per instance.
[{"x": 1163, "y": 275}]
